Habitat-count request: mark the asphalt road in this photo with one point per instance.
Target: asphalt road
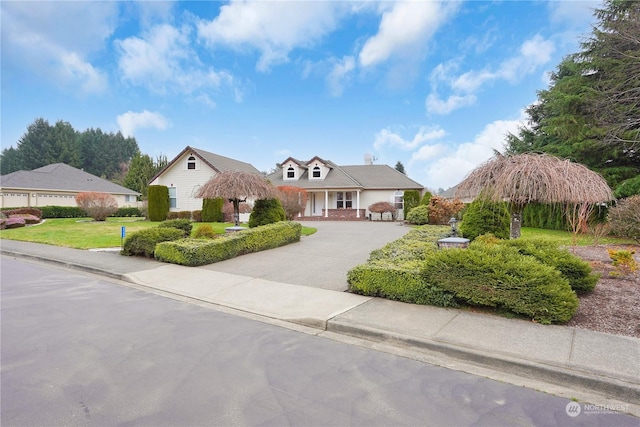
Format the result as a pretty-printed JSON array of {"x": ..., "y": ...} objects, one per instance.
[{"x": 80, "y": 350}]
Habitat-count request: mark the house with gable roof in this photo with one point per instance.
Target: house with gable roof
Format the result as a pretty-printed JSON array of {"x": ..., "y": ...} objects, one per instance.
[
  {"x": 344, "y": 192},
  {"x": 57, "y": 184},
  {"x": 189, "y": 171}
]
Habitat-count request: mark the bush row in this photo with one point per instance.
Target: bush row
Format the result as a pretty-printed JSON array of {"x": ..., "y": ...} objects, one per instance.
[
  {"x": 498, "y": 276},
  {"x": 143, "y": 242},
  {"x": 393, "y": 271},
  {"x": 194, "y": 252},
  {"x": 532, "y": 278}
]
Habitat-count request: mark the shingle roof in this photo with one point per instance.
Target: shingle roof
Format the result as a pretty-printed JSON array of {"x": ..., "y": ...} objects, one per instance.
[
  {"x": 364, "y": 177},
  {"x": 381, "y": 177},
  {"x": 215, "y": 161},
  {"x": 61, "y": 177}
]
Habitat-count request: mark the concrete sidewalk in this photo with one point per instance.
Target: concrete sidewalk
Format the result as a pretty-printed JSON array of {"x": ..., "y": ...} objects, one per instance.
[{"x": 590, "y": 363}]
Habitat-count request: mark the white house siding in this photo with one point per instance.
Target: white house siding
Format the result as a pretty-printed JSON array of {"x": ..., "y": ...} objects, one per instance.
[
  {"x": 186, "y": 181},
  {"x": 369, "y": 197}
]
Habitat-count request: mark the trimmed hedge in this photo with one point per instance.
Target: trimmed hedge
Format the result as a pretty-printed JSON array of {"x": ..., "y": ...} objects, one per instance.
[
  {"x": 411, "y": 199},
  {"x": 418, "y": 215},
  {"x": 158, "y": 203},
  {"x": 400, "y": 282},
  {"x": 393, "y": 271},
  {"x": 482, "y": 217},
  {"x": 577, "y": 271},
  {"x": 525, "y": 277},
  {"x": 266, "y": 211},
  {"x": 181, "y": 224},
  {"x": 125, "y": 212},
  {"x": 195, "y": 252},
  {"x": 499, "y": 276},
  {"x": 212, "y": 210},
  {"x": 143, "y": 242}
]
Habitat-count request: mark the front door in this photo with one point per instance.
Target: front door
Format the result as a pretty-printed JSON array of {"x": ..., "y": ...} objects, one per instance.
[{"x": 317, "y": 204}]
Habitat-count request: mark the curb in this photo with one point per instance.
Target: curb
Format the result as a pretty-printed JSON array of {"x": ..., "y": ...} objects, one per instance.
[{"x": 553, "y": 374}]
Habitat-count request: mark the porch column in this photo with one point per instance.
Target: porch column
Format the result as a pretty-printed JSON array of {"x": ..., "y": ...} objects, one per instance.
[
  {"x": 358, "y": 204},
  {"x": 326, "y": 203}
]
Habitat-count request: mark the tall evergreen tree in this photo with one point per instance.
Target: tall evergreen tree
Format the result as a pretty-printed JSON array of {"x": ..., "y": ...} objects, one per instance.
[
  {"x": 591, "y": 111},
  {"x": 94, "y": 151}
]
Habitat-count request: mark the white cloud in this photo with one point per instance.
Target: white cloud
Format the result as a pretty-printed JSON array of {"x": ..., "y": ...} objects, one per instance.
[
  {"x": 339, "y": 75},
  {"x": 429, "y": 152},
  {"x": 451, "y": 168},
  {"x": 533, "y": 54},
  {"x": 54, "y": 39},
  {"x": 130, "y": 121},
  {"x": 273, "y": 28},
  {"x": 404, "y": 30},
  {"x": 162, "y": 60},
  {"x": 438, "y": 106},
  {"x": 577, "y": 13},
  {"x": 386, "y": 137}
]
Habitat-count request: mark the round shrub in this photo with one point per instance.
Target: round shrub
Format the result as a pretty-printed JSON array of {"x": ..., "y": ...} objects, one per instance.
[
  {"x": 266, "y": 211},
  {"x": 419, "y": 215},
  {"x": 577, "y": 271},
  {"x": 143, "y": 242},
  {"x": 624, "y": 218},
  {"x": 482, "y": 217},
  {"x": 500, "y": 277},
  {"x": 205, "y": 231},
  {"x": 181, "y": 224}
]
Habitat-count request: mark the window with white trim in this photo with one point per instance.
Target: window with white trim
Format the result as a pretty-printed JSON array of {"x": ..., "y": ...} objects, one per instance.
[
  {"x": 173, "y": 199},
  {"x": 191, "y": 162},
  {"x": 398, "y": 200},
  {"x": 344, "y": 200},
  {"x": 316, "y": 172},
  {"x": 291, "y": 172}
]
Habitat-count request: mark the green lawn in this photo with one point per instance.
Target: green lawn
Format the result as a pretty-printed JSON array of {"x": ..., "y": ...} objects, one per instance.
[
  {"x": 565, "y": 238},
  {"x": 84, "y": 233}
]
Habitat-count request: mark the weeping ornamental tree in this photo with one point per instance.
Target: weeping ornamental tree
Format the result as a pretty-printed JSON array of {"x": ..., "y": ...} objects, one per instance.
[
  {"x": 236, "y": 186},
  {"x": 527, "y": 178}
]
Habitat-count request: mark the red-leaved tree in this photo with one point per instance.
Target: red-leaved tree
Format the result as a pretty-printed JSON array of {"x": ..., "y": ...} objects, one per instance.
[
  {"x": 97, "y": 205},
  {"x": 293, "y": 200},
  {"x": 382, "y": 207}
]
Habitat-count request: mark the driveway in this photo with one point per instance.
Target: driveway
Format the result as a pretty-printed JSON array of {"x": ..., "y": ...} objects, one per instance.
[{"x": 320, "y": 260}]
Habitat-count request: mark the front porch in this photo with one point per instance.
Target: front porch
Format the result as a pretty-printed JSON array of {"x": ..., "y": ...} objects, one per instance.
[{"x": 340, "y": 214}]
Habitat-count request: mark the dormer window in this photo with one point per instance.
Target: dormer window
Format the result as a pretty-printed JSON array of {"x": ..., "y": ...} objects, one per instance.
[
  {"x": 316, "y": 172},
  {"x": 191, "y": 162},
  {"x": 291, "y": 173}
]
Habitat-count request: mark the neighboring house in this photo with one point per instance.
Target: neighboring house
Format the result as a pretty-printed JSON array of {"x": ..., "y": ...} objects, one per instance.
[
  {"x": 191, "y": 169},
  {"x": 344, "y": 192},
  {"x": 57, "y": 185}
]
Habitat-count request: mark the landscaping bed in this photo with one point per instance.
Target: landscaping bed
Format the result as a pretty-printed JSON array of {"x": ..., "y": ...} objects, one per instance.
[{"x": 614, "y": 305}]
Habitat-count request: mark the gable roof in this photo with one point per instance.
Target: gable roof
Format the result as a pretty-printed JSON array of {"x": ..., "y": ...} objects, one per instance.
[
  {"x": 61, "y": 177},
  {"x": 215, "y": 161},
  {"x": 363, "y": 177}
]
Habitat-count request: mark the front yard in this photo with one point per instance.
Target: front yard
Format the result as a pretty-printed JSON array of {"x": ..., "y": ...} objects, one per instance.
[{"x": 85, "y": 233}]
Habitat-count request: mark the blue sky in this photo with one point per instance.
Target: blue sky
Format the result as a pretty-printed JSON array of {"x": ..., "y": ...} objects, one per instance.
[{"x": 435, "y": 85}]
